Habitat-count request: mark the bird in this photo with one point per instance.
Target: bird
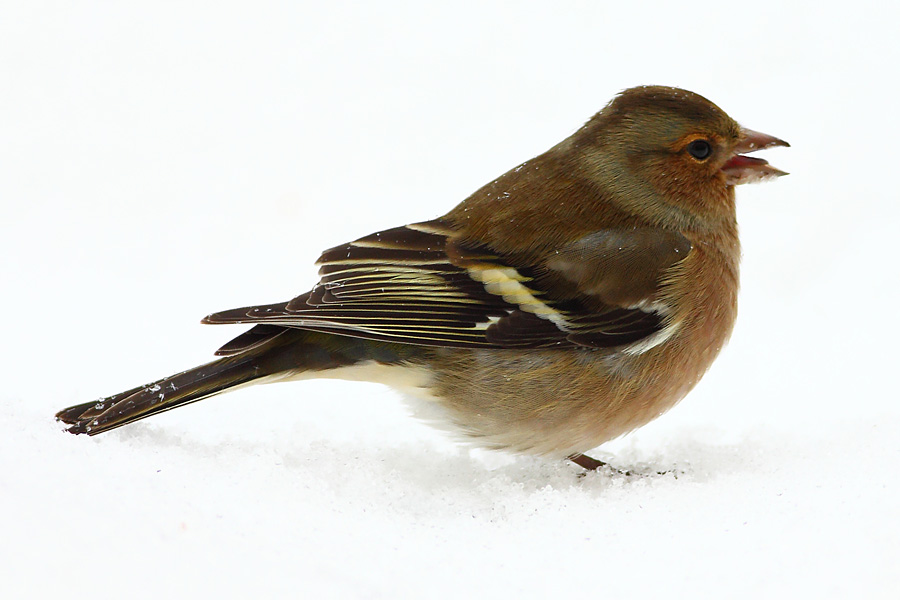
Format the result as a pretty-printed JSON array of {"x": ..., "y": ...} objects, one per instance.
[{"x": 571, "y": 300}]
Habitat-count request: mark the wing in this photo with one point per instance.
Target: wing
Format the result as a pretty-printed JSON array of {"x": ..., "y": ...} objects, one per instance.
[{"x": 419, "y": 284}]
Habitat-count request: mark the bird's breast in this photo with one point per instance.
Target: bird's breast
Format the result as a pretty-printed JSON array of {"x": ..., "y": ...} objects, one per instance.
[{"x": 564, "y": 401}]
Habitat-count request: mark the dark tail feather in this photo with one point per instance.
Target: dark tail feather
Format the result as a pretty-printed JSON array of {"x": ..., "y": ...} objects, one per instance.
[
  {"x": 186, "y": 387},
  {"x": 72, "y": 414},
  {"x": 261, "y": 352}
]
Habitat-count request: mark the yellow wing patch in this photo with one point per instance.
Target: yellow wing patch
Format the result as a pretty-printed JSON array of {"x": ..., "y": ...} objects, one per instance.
[{"x": 507, "y": 283}]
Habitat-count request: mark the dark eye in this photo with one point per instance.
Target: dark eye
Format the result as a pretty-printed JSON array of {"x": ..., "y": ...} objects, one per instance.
[{"x": 699, "y": 149}]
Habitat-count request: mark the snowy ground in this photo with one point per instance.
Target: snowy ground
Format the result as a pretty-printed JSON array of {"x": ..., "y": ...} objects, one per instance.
[{"x": 158, "y": 163}]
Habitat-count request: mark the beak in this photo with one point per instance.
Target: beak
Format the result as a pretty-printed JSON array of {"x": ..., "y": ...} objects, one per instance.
[{"x": 747, "y": 169}]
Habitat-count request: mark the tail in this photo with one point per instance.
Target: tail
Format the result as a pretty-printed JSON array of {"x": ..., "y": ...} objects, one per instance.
[
  {"x": 141, "y": 402},
  {"x": 281, "y": 351}
]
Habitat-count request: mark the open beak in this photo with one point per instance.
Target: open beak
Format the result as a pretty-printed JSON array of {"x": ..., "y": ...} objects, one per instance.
[{"x": 748, "y": 169}]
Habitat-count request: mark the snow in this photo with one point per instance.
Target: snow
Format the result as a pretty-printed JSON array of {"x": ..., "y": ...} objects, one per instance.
[{"x": 161, "y": 162}]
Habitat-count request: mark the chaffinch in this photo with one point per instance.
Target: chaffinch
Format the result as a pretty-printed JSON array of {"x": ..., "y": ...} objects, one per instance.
[{"x": 572, "y": 299}]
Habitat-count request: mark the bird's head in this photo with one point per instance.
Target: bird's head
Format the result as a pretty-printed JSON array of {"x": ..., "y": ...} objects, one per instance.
[{"x": 672, "y": 151}]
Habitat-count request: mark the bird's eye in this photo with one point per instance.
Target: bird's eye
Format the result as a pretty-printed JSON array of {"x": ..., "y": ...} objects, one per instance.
[{"x": 699, "y": 149}]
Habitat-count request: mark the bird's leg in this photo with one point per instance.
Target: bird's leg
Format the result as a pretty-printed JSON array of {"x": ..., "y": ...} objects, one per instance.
[
  {"x": 592, "y": 464},
  {"x": 586, "y": 462}
]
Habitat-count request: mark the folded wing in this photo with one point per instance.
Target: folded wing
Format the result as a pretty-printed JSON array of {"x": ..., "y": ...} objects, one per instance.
[{"x": 420, "y": 284}]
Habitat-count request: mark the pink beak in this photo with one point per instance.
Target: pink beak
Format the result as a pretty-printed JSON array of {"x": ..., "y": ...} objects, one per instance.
[{"x": 747, "y": 169}]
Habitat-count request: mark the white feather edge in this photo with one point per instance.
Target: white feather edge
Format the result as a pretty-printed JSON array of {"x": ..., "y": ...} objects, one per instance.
[{"x": 669, "y": 329}]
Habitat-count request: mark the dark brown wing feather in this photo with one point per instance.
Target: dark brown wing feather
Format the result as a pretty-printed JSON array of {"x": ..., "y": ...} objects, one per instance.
[
  {"x": 248, "y": 340},
  {"x": 418, "y": 285}
]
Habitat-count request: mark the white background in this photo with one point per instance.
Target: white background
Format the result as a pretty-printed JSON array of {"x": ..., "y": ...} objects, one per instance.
[{"x": 163, "y": 160}]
